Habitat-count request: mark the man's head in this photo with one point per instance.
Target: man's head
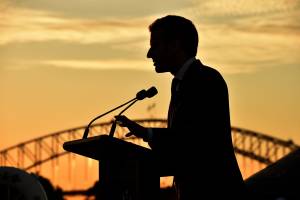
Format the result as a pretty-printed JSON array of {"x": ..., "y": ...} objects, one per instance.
[{"x": 173, "y": 40}]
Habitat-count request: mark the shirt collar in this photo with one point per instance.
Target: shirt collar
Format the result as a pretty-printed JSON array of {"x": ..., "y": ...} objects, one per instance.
[{"x": 180, "y": 73}]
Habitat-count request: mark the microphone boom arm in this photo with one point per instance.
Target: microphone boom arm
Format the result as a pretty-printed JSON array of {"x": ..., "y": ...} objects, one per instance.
[
  {"x": 139, "y": 96},
  {"x": 113, "y": 127},
  {"x": 86, "y": 131}
]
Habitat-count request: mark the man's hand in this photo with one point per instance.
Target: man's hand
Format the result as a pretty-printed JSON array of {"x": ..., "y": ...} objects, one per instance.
[{"x": 133, "y": 127}]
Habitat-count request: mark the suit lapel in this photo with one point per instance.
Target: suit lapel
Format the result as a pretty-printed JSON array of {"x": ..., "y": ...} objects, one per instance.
[{"x": 177, "y": 91}]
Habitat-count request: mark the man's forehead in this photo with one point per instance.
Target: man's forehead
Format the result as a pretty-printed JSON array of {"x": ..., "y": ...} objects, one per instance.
[{"x": 156, "y": 36}]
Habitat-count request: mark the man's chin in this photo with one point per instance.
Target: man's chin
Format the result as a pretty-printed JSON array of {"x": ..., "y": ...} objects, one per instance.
[{"x": 160, "y": 69}]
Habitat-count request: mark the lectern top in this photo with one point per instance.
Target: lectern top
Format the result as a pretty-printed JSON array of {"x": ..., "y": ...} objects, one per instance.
[{"x": 106, "y": 147}]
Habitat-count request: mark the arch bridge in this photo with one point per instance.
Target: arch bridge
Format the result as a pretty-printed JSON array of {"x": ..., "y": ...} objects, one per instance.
[{"x": 253, "y": 150}]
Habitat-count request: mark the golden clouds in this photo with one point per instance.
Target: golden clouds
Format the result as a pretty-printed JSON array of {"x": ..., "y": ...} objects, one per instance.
[
  {"x": 26, "y": 25},
  {"x": 244, "y": 8},
  {"x": 101, "y": 64},
  {"x": 238, "y": 37}
]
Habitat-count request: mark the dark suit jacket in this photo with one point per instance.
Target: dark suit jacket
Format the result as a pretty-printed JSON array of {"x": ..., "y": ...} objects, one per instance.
[{"x": 197, "y": 148}]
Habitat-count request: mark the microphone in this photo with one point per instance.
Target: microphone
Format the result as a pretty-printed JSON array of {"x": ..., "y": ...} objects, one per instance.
[
  {"x": 149, "y": 93},
  {"x": 139, "y": 96}
]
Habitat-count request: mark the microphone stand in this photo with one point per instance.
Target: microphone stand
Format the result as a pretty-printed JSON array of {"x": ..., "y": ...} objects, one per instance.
[
  {"x": 86, "y": 131},
  {"x": 139, "y": 96},
  {"x": 114, "y": 125}
]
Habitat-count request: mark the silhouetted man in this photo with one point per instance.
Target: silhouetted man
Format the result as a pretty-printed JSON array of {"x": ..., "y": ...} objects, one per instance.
[{"x": 196, "y": 147}]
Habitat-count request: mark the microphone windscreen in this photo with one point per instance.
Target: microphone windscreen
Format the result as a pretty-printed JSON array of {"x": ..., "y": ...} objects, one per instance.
[
  {"x": 141, "y": 95},
  {"x": 151, "y": 92}
]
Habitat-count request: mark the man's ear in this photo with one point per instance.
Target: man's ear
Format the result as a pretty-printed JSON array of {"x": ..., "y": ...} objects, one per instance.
[
  {"x": 174, "y": 45},
  {"x": 177, "y": 44}
]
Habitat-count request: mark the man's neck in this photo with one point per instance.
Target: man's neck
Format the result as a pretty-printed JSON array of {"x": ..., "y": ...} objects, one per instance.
[
  {"x": 180, "y": 60},
  {"x": 182, "y": 67}
]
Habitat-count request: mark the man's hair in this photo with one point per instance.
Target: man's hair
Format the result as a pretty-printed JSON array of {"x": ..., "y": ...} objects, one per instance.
[{"x": 174, "y": 27}]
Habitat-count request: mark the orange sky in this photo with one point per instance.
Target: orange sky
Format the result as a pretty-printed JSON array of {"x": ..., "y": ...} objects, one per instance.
[{"x": 61, "y": 65}]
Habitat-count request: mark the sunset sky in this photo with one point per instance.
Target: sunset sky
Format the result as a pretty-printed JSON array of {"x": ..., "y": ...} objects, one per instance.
[{"x": 64, "y": 62}]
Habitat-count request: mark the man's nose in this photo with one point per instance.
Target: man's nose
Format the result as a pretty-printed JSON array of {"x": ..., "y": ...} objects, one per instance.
[{"x": 149, "y": 54}]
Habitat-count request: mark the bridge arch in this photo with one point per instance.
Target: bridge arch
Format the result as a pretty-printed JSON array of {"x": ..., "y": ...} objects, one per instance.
[{"x": 33, "y": 153}]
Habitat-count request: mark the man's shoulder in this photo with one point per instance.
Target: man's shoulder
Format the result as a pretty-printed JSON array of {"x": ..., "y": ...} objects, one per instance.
[{"x": 206, "y": 70}]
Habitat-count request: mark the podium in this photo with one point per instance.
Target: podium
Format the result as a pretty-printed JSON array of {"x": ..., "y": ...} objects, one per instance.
[{"x": 126, "y": 171}]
